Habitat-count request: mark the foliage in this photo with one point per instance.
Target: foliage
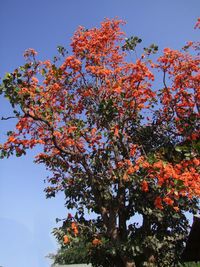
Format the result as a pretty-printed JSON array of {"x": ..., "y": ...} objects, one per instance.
[
  {"x": 116, "y": 143},
  {"x": 74, "y": 253}
]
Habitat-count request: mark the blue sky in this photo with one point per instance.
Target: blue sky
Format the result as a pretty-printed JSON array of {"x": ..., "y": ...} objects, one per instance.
[{"x": 26, "y": 217}]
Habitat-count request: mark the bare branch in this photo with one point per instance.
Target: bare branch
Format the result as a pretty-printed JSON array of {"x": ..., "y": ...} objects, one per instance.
[{"x": 8, "y": 118}]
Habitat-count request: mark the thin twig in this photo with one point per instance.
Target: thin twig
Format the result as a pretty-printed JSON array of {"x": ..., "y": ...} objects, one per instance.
[{"x": 8, "y": 118}]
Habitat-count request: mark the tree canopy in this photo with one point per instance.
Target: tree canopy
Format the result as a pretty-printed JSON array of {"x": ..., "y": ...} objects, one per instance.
[{"x": 120, "y": 137}]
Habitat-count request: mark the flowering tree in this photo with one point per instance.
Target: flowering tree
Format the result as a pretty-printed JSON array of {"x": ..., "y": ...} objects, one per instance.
[{"x": 115, "y": 143}]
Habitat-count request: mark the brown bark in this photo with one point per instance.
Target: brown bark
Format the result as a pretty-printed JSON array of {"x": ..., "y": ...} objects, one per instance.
[
  {"x": 122, "y": 213},
  {"x": 112, "y": 225}
]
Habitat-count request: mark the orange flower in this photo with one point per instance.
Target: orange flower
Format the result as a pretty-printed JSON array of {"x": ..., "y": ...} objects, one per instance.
[
  {"x": 11, "y": 139},
  {"x": 66, "y": 239},
  {"x": 71, "y": 129},
  {"x": 74, "y": 228},
  {"x": 75, "y": 231},
  {"x": 73, "y": 225},
  {"x": 35, "y": 80},
  {"x": 31, "y": 113},
  {"x": 118, "y": 89},
  {"x": 93, "y": 131},
  {"x": 116, "y": 131},
  {"x": 56, "y": 86},
  {"x": 158, "y": 203},
  {"x": 96, "y": 242},
  {"x": 131, "y": 170},
  {"x": 120, "y": 164},
  {"x": 158, "y": 164},
  {"x": 196, "y": 162},
  {"x": 145, "y": 164},
  {"x": 125, "y": 176},
  {"x": 145, "y": 186},
  {"x": 176, "y": 208},
  {"x": 168, "y": 201},
  {"x": 133, "y": 149},
  {"x": 194, "y": 136},
  {"x": 57, "y": 134}
]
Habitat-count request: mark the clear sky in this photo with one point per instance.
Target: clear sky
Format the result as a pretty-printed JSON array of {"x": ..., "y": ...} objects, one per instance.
[{"x": 26, "y": 217}]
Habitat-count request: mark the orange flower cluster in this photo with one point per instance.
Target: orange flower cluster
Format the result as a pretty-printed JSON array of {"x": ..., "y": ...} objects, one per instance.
[
  {"x": 66, "y": 239},
  {"x": 181, "y": 99},
  {"x": 167, "y": 200},
  {"x": 96, "y": 242},
  {"x": 74, "y": 227},
  {"x": 145, "y": 186}
]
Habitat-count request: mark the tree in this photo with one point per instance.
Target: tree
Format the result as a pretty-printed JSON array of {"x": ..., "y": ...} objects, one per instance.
[{"x": 116, "y": 144}]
